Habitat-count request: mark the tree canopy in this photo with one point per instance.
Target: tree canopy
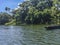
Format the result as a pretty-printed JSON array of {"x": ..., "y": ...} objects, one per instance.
[{"x": 37, "y": 12}]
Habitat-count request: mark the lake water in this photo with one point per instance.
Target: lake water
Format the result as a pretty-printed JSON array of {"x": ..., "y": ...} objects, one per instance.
[{"x": 28, "y": 35}]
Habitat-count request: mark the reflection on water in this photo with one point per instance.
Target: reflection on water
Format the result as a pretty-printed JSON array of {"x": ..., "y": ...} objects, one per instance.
[{"x": 28, "y": 35}]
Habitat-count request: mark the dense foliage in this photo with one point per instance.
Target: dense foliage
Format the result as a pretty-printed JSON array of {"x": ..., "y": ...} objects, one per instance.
[
  {"x": 37, "y": 12},
  {"x": 4, "y": 18}
]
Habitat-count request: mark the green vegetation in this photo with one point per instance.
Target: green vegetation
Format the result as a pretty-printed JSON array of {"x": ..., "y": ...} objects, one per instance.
[
  {"x": 11, "y": 23},
  {"x": 4, "y": 18},
  {"x": 35, "y": 12}
]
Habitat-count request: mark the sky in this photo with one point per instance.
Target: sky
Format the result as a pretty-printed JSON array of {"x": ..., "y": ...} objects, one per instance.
[{"x": 9, "y": 3}]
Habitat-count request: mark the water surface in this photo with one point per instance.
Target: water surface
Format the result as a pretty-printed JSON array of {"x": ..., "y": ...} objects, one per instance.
[{"x": 28, "y": 35}]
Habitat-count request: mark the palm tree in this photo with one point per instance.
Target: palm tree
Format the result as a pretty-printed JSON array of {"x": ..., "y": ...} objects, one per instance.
[{"x": 7, "y": 9}]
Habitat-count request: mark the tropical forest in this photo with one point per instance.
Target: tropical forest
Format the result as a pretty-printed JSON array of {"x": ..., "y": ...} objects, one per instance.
[
  {"x": 29, "y": 22},
  {"x": 32, "y": 12}
]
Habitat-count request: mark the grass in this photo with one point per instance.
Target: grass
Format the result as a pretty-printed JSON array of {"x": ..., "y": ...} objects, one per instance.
[{"x": 13, "y": 22}]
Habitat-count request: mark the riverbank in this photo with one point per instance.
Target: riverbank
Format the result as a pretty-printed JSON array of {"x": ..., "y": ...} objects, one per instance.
[{"x": 13, "y": 23}]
